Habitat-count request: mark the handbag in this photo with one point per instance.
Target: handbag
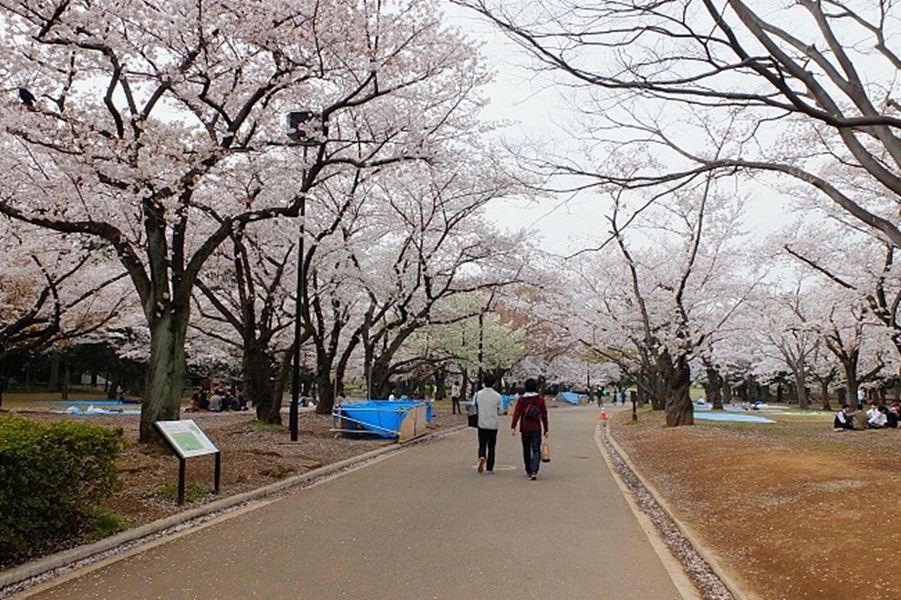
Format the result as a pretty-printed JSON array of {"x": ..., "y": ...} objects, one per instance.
[
  {"x": 473, "y": 418},
  {"x": 545, "y": 452}
]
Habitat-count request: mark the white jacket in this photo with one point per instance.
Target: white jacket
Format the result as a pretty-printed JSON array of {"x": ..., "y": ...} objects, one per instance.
[{"x": 489, "y": 405}]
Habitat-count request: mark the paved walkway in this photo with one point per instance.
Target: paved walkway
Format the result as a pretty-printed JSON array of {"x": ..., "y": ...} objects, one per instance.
[{"x": 419, "y": 525}]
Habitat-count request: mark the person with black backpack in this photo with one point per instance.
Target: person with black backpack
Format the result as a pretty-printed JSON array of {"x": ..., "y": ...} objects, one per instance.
[{"x": 531, "y": 414}]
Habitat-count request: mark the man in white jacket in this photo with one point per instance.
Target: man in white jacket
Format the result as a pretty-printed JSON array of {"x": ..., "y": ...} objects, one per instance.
[{"x": 488, "y": 405}]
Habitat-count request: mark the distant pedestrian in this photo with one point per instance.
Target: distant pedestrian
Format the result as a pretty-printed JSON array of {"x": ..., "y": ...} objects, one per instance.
[
  {"x": 531, "y": 414},
  {"x": 488, "y": 407}
]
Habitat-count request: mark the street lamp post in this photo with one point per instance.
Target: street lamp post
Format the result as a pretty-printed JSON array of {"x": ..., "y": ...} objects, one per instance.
[
  {"x": 298, "y": 125},
  {"x": 481, "y": 345}
]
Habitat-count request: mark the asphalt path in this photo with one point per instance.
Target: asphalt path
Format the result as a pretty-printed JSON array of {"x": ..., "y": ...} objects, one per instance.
[{"x": 420, "y": 524}]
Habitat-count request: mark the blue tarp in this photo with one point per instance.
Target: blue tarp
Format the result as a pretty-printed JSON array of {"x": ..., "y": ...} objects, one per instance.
[
  {"x": 571, "y": 397},
  {"x": 507, "y": 400},
  {"x": 381, "y": 417},
  {"x": 88, "y": 402},
  {"x": 92, "y": 411},
  {"x": 731, "y": 417}
]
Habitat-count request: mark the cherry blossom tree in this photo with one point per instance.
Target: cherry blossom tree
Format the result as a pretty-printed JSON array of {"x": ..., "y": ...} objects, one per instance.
[
  {"x": 52, "y": 291},
  {"x": 134, "y": 125},
  {"x": 654, "y": 305},
  {"x": 657, "y": 75}
]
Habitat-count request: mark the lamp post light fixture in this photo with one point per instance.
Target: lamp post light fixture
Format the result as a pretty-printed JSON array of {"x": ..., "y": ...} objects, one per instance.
[{"x": 301, "y": 126}]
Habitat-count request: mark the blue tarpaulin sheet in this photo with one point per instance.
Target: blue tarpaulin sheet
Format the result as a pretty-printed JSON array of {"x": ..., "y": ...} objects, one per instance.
[
  {"x": 381, "y": 417},
  {"x": 731, "y": 417},
  {"x": 89, "y": 402},
  {"x": 507, "y": 400},
  {"x": 571, "y": 397}
]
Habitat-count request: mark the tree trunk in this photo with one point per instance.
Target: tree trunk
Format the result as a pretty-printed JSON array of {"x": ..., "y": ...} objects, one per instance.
[
  {"x": 824, "y": 392},
  {"x": 53, "y": 380},
  {"x": 440, "y": 384},
  {"x": 281, "y": 382},
  {"x": 114, "y": 384},
  {"x": 679, "y": 407},
  {"x": 64, "y": 380},
  {"x": 259, "y": 382},
  {"x": 712, "y": 388},
  {"x": 165, "y": 380},
  {"x": 801, "y": 389},
  {"x": 379, "y": 379},
  {"x": 849, "y": 365},
  {"x": 325, "y": 392}
]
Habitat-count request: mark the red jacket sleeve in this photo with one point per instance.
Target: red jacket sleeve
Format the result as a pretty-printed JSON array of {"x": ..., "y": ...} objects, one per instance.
[
  {"x": 544, "y": 414},
  {"x": 517, "y": 413}
]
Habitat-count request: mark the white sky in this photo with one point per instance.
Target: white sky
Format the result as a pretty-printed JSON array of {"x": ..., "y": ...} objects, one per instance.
[{"x": 536, "y": 111}]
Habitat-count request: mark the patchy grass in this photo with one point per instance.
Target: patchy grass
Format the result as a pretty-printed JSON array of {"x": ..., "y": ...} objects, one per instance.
[
  {"x": 794, "y": 509},
  {"x": 193, "y": 492}
]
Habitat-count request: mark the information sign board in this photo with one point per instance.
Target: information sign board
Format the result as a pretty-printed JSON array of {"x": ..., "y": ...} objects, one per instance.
[{"x": 186, "y": 438}]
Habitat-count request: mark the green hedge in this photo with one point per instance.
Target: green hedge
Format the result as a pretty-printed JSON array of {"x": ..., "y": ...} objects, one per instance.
[{"x": 53, "y": 478}]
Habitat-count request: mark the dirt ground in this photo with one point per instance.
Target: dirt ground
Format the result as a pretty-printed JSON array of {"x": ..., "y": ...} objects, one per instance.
[
  {"x": 793, "y": 509},
  {"x": 253, "y": 455}
]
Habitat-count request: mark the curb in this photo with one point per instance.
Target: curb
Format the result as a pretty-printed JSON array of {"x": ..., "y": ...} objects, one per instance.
[
  {"x": 710, "y": 557},
  {"x": 65, "y": 558},
  {"x": 674, "y": 568}
]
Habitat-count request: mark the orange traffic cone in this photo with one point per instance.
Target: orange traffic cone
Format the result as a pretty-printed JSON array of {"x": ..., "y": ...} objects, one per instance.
[{"x": 604, "y": 415}]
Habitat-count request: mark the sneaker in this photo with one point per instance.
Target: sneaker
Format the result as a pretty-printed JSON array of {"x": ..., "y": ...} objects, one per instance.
[
  {"x": 481, "y": 464},
  {"x": 533, "y": 477}
]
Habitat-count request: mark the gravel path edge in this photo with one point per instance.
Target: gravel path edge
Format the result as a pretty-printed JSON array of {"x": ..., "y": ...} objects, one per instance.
[{"x": 700, "y": 564}]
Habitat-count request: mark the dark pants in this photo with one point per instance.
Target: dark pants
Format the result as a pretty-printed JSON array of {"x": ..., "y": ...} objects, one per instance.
[
  {"x": 487, "y": 441},
  {"x": 531, "y": 450}
]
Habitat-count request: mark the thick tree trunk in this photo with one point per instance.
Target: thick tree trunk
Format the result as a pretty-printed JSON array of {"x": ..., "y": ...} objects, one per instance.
[
  {"x": 679, "y": 407},
  {"x": 824, "y": 392},
  {"x": 259, "y": 382},
  {"x": 379, "y": 379},
  {"x": 849, "y": 365},
  {"x": 325, "y": 392},
  {"x": 53, "y": 383},
  {"x": 281, "y": 383},
  {"x": 165, "y": 380},
  {"x": 440, "y": 384},
  {"x": 712, "y": 388}
]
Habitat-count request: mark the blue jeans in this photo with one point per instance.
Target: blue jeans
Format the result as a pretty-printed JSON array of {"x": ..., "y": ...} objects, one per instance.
[{"x": 531, "y": 450}]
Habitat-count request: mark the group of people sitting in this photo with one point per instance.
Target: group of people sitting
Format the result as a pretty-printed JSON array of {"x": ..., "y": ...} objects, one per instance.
[
  {"x": 878, "y": 417},
  {"x": 218, "y": 400}
]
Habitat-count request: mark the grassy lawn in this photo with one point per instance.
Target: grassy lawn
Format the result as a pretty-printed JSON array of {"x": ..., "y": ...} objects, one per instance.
[{"x": 794, "y": 509}]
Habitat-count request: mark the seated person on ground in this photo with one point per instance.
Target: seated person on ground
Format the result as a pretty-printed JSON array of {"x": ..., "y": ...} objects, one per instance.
[
  {"x": 891, "y": 419},
  {"x": 216, "y": 402},
  {"x": 194, "y": 406},
  {"x": 860, "y": 420},
  {"x": 876, "y": 419},
  {"x": 842, "y": 419}
]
